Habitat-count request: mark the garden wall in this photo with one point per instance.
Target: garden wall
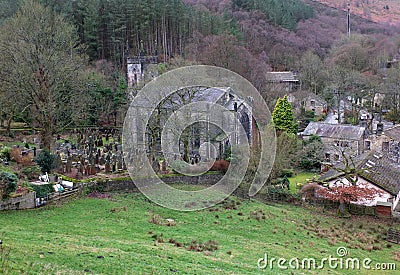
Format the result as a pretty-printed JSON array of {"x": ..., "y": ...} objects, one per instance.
[
  {"x": 128, "y": 185},
  {"x": 22, "y": 202}
]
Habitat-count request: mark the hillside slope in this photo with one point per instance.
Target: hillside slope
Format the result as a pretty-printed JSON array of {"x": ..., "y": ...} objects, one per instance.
[
  {"x": 381, "y": 11},
  {"x": 129, "y": 235}
]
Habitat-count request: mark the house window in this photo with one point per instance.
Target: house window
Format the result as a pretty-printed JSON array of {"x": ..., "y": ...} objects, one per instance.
[
  {"x": 312, "y": 102},
  {"x": 367, "y": 145},
  {"x": 385, "y": 146}
]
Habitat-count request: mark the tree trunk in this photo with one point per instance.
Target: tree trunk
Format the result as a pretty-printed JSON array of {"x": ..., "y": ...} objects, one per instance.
[
  {"x": 342, "y": 212},
  {"x": 9, "y": 126},
  {"x": 46, "y": 137}
]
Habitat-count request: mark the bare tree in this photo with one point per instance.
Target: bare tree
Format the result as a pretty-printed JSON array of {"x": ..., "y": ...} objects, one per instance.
[
  {"x": 41, "y": 61},
  {"x": 346, "y": 188}
]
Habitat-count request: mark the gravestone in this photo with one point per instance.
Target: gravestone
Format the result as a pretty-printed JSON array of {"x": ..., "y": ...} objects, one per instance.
[
  {"x": 107, "y": 166},
  {"x": 91, "y": 158},
  {"x": 114, "y": 163},
  {"x": 87, "y": 169},
  {"x": 93, "y": 169},
  {"x": 102, "y": 160},
  {"x": 59, "y": 163},
  {"x": 79, "y": 170},
  {"x": 120, "y": 160},
  {"x": 74, "y": 157},
  {"x": 124, "y": 165},
  {"x": 96, "y": 159},
  {"x": 155, "y": 166},
  {"x": 90, "y": 144},
  {"x": 68, "y": 165},
  {"x": 100, "y": 143}
]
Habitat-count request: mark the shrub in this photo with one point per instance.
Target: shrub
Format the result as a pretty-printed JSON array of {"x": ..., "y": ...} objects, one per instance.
[
  {"x": 287, "y": 172},
  {"x": 5, "y": 153},
  {"x": 278, "y": 193},
  {"x": 42, "y": 190},
  {"x": 220, "y": 165},
  {"x": 32, "y": 172},
  {"x": 26, "y": 161},
  {"x": 8, "y": 183},
  {"x": 210, "y": 245},
  {"x": 46, "y": 161},
  {"x": 15, "y": 155}
]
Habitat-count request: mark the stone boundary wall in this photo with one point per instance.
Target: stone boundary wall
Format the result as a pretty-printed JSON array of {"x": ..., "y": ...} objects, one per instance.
[
  {"x": 128, "y": 185},
  {"x": 28, "y": 201},
  {"x": 22, "y": 202}
]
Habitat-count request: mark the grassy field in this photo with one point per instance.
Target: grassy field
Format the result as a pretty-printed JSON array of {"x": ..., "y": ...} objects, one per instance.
[
  {"x": 127, "y": 234},
  {"x": 300, "y": 178}
]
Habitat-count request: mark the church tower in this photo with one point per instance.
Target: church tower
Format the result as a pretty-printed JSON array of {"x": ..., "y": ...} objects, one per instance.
[{"x": 139, "y": 69}]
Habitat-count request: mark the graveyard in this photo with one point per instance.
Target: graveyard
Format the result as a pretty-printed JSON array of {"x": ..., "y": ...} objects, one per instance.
[
  {"x": 76, "y": 155},
  {"x": 77, "y": 158}
]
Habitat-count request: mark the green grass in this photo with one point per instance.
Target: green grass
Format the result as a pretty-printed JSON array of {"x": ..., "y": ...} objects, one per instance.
[
  {"x": 300, "y": 178},
  {"x": 100, "y": 236}
]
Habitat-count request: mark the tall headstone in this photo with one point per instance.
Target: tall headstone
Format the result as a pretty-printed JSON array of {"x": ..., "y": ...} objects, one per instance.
[
  {"x": 163, "y": 166},
  {"x": 97, "y": 159},
  {"x": 124, "y": 164},
  {"x": 107, "y": 166},
  {"x": 68, "y": 165},
  {"x": 120, "y": 161},
  {"x": 114, "y": 163},
  {"x": 155, "y": 165}
]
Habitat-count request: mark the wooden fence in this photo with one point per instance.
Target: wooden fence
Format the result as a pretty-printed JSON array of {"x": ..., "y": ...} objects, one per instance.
[
  {"x": 56, "y": 196},
  {"x": 393, "y": 236}
]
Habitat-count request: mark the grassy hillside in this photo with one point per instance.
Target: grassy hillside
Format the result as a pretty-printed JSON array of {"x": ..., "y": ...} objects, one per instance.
[{"x": 129, "y": 235}]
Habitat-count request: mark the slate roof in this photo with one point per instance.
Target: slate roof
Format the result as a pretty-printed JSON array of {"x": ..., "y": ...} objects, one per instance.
[
  {"x": 281, "y": 77},
  {"x": 316, "y": 98},
  {"x": 375, "y": 168},
  {"x": 338, "y": 131},
  {"x": 393, "y": 132},
  {"x": 212, "y": 94}
]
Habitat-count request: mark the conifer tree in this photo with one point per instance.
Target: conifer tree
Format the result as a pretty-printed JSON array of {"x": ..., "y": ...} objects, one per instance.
[{"x": 283, "y": 116}]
